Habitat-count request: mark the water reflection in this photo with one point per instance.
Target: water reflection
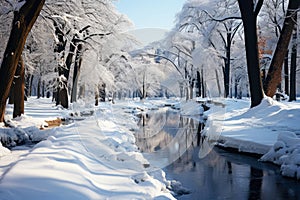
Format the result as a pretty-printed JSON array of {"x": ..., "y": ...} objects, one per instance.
[
  {"x": 218, "y": 175},
  {"x": 255, "y": 184},
  {"x": 163, "y": 140}
]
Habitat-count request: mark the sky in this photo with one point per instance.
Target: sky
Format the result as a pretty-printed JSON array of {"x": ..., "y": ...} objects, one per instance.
[{"x": 151, "y": 13}]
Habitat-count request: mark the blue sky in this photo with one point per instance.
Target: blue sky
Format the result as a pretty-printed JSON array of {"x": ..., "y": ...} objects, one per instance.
[{"x": 151, "y": 13}]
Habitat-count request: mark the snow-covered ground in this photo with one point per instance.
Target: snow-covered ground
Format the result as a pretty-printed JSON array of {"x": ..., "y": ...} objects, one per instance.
[
  {"x": 95, "y": 158},
  {"x": 272, "y": 128}
]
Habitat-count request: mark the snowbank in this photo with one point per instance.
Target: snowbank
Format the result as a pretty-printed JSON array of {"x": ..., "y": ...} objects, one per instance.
[
  {"x": 286, "y": 153},
  {"x": 256, "y": 130},
  {"x": 271, "y": 129},
  {"x": 95, "y": 158}
]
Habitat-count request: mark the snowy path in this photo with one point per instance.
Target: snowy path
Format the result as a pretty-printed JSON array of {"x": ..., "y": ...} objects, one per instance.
[{"x": 92, "y": 159}]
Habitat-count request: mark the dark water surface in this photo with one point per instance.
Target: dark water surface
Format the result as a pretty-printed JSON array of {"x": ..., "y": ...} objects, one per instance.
[{"x": 220, "y": 174}]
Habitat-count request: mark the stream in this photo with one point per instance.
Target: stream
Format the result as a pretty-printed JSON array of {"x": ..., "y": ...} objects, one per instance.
[{"x": 174, "y": 143}]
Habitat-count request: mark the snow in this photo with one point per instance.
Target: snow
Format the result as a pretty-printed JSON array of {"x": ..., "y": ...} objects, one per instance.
[
  {"x": 94, "y": 158},
  {"x": 16, "y": 5},
  {"x": 271, "y": 129},
  {"x": 286, "y": 152}
]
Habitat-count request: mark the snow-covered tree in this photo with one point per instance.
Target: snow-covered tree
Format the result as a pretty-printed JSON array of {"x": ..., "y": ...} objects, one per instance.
[
  {"x": 81, "y": 28},
  {"x": 25, "y": 15}
]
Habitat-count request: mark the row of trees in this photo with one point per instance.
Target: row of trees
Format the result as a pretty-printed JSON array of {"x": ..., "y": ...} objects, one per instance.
[
  {"x": 79, "y": 47},
  {"x": 75, "y": 46},
  {"x": 215, "y": 31}
]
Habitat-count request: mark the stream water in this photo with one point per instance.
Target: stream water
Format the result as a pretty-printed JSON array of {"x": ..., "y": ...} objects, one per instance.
[{"x": 217, "y": 175}]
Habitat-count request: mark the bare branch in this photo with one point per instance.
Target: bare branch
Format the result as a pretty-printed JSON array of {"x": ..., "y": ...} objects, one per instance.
[
  {"x": 221, "y": 19},
  {"x": 258, "y": 7}
]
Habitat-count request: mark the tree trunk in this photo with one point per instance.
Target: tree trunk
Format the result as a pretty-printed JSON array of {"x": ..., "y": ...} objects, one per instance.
[
  {"x": 274, "y": 74},
  {"x": 39, "y": 88},
  {"x": 293, "y": 64},
  {"x": 28, "y": 82},
  {"x": 78, "y": 61},
  {"x": 218, "y": 83},
  {"x": 249, "y": 17},
  {"x": 19, "y": 89},
  {"x": 11, "y": 98},
  {"x": 203, "y": 84},
  {"x": 102, "y": 93},
  {"x": 69, "y": 59},
  {"x": 30, "y": 86},
  {"x": 227, "y": 65},
  {"x": 21, "y": 26},
  {"x": 286, "y": 73},
  {"x": 97, "y": 96},
  {"x": 199, "y": 84},
  {"x": 43, "y": 89},
  {"x": 81, "y": 92},
  {"x": 63, "y": 99}
]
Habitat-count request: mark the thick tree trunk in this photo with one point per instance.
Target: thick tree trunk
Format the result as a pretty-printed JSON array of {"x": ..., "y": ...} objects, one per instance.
[
  {"x": 19, "y": 89},
  {"x": 249, "y": 21},
  {"x": 21, "y": 26},
  {"x": 293, "y": 65},
  {"x": 274, "y": 74},
  {"x": 11, "y": 97}
]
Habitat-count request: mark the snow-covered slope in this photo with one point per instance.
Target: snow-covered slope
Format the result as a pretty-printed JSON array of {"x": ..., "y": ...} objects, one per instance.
[
  {"x": 92, "y": 159},
  {"x": 272, "y": 128}
]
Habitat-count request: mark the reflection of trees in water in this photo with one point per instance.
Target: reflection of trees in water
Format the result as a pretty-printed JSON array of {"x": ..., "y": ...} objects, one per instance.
[
  {"x": 232, "y": 176},
  {"x": 219, "y": 174},
  {"x": 255, "y": 183},
  {"x": 155, "y": 135}
]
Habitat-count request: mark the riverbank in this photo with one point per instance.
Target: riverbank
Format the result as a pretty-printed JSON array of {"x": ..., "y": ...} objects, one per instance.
[
  {"x": 93, "y": 158},
  {"x": 271, "y": 129},
  {"x": 96, "y": 157}
]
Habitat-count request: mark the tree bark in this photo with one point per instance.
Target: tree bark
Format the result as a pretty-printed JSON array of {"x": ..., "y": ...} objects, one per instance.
[
  {"x": 199, "y": 84},
  {"x": 203, "y": 84},
  {"x": 27, "y": 86},
  {"x": 21, "y": 26},
  {"x": 11, "y": 97},
  {"x": 249, "y": 17},
  {"x": 274, "y": 74},
  {"x": 293, "y": 64},
  {"x": 218, "y": 83},
  {"x": 19, "y": 89},
  {"x": 286, "y": 73},
  {"x": 76, "y": 72},
  {"x": 39, "y": 88},
  {"x": 69, "y": 59},
  {"x": 43, "y": 88},
  {"x": 227, "y": 64}
]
